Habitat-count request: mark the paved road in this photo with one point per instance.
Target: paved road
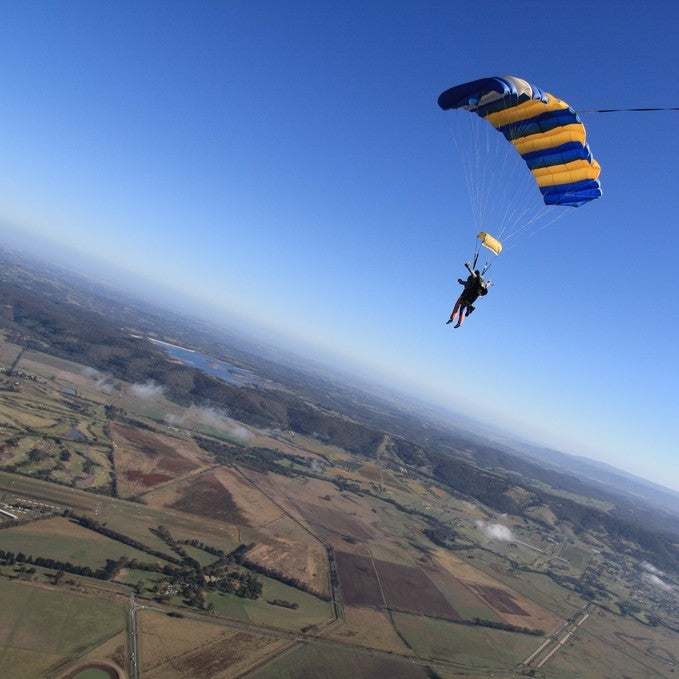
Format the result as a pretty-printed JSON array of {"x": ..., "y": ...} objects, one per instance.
[{"x": 134, "y": 655}]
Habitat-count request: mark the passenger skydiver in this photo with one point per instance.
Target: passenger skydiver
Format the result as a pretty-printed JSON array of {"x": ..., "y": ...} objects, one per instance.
[{"x": 474, "y": 287}]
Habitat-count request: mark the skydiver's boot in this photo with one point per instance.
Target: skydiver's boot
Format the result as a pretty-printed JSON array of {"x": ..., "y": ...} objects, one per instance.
[
  {"x": 470, "y": 309},
  {"x": 450, "y": 320}
]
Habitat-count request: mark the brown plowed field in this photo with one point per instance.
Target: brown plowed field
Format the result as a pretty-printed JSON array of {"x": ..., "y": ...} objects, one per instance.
[
  {"x": 333, "y": 520},
  {"x": 147, "y": 480},
  {"x": 499, "y": 599},
  {"x": 308, "y": 563},
  {"x": 358, "y": 580},
  {"x": 409, "y": 589},
  {"x": 166, "y": 456},
  {"x": 144, "y": 460},
  {"x": 189, "y": 649},
  {"x": 206, "y": 496},
  {"x": 405, "y": 588}
]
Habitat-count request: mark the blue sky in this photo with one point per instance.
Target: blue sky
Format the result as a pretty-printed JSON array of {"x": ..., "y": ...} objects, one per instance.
[{"x": 287, "y": 162}]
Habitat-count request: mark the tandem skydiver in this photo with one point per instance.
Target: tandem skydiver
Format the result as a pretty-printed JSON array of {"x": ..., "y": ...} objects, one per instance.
[{"x": 474, "y": 287}]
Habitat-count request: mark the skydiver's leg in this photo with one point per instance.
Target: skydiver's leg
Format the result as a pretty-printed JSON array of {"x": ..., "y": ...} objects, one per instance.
[
  {"x": 455, "y": 309},
  {"x": 461, "y": 319}
]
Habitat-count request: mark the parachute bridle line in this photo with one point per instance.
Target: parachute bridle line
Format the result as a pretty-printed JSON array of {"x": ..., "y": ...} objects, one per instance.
[{"x": 630, "y": 110}]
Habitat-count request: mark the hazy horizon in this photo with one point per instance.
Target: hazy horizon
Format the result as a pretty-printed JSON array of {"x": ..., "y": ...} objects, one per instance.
[{"x": 294, "y": 348}]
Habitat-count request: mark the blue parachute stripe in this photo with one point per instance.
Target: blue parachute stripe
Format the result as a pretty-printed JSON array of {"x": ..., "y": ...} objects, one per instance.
[
  {"x": 574, "y": 194},
  {"x": 558, "y": 155},
  {"x": 541, "y": 123}
]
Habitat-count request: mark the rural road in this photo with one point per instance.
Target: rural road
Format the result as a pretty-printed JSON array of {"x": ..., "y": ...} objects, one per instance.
[{"x": 134, "y": 655}]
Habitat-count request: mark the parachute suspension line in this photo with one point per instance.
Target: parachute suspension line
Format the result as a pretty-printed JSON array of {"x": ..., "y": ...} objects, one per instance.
[
  {"x": 560, "y": 214},
  {"x": 519, "y": 233},
  {"x": 466, "y": 158},
  {"x": 484, "y": 159},
  {"x": 627, "y": 110},
  {"x": 501, "y": 190},
  {"x": 523, "y": 206}
]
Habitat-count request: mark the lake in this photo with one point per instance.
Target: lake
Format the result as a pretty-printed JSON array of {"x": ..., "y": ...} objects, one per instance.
[{"x": 239, "y": 377}]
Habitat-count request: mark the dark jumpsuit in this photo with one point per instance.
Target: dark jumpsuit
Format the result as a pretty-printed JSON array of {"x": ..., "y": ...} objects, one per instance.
[{"x": 474, "y": 287}]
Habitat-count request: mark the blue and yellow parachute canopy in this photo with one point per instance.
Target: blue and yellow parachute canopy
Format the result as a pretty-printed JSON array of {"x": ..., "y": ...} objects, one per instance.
[{"x": 546, "y": 131}]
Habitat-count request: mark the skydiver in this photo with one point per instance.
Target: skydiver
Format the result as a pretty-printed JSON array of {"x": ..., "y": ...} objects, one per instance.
[{"x": 474, "y": 287}]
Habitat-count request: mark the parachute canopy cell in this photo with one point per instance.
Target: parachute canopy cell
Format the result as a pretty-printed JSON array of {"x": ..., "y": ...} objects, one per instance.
[
  {"x": 491, "y": 243},
  {"x": 546, "y": 132}
]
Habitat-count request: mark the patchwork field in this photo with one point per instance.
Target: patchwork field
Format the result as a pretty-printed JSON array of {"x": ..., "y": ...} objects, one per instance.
[{"x": 398, "y": 591}]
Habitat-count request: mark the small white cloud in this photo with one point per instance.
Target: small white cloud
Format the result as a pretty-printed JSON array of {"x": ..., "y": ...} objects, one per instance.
[
  {"x": 495, "y": 531},
  {"x": 210, "y": 416},
  {"x": 656, "y": 582},
  {"x": 102, "y": 383},
  {"x": 175, "y": 420},
  {"x": 317, "y": 466},
  {"x": 147, "y": 390},
  {"x": 650, "y": 568},
  {"x": 105, "y": 385}
]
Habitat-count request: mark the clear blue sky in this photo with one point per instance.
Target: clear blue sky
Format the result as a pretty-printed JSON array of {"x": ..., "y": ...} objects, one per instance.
[{"x": 287, "y": 161}]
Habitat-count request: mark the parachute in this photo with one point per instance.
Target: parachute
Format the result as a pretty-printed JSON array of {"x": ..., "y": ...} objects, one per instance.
[{"x": 547, "y": 146}]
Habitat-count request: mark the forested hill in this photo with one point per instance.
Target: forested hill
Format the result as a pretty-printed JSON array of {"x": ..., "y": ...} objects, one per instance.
[{"x": 72, "y": 332}]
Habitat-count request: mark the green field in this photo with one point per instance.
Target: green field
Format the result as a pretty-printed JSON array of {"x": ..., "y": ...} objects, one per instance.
[
  {"x": 310, "y": 662},
  {"x": 311, "y": 611},
  {"x": 478, "y": 647},
  {"x": 576, "y": 556},
  {"x": 132, "y": 576},
  {"x": 40, "y": 628},
  {"x": 536, "y": 587},
  {"x": 63, "y": 540},
  {"x": 465, "y": 602}
]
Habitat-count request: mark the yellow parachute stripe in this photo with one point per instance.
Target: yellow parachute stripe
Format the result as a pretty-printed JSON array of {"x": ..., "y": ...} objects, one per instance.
[
  {"x": 564, "y": 167},
  {"x": 490, "y": 242},
  {"x": 525, "y": 111},
  {"x": 548, "y": 140},
  {"x": 589, "y": 172}
]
